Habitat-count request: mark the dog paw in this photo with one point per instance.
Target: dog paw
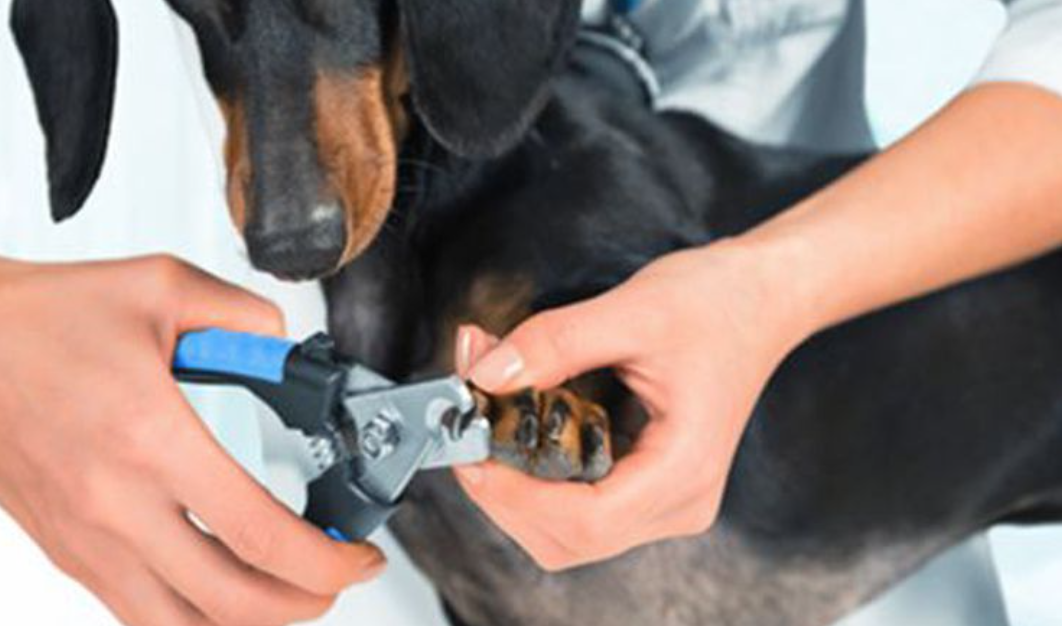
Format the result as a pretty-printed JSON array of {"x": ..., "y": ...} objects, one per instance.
[{"x": 553, "y": 434}]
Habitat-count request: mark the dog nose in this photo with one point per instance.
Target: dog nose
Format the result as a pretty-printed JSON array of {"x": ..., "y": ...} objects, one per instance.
[{"x": 301, "y": 251}]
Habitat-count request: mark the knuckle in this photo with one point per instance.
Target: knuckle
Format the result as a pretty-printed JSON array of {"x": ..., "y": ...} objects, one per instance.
[
  {"x": 166, "y": 273},
  {"x": 255, "y": 543},
  {"x": 164, "y": 265},
  {"x": 271, "y": 314},
  {"x": 94, "y": 505},
  {"x": 555, "y": 335},
  {"x": 66, "y": 563},
  {"x": 702, "y": 518},
  {"x": 229, "y": 610},
  {"x": 137, "y": 442}
]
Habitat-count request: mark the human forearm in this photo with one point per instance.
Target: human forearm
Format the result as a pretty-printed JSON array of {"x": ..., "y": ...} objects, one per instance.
[{"x": 978, "y": 188}]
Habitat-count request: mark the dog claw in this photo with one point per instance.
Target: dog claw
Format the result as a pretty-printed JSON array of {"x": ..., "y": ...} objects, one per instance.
[
  {"x": 553, "y": 434},
  {"x": 527, "y": 431},
  {"x": 597, "y": 460},
  {"x": 556, "y": 419}
]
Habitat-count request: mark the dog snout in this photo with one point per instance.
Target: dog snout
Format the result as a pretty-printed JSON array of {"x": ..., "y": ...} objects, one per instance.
[{"x": 304, "y": 250}]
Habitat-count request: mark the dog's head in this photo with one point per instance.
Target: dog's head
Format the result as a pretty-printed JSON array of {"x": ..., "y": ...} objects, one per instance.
[{"x": 317, "y": 96}]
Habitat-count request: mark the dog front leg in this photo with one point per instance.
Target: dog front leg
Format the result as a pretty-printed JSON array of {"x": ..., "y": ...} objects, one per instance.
[{"x": 373, "y": 304}]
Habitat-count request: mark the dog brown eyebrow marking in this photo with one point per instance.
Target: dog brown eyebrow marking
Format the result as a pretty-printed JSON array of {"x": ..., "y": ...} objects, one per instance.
[
  {"x": 237, "y": 159},
  {"x": 396, "y": 77}
]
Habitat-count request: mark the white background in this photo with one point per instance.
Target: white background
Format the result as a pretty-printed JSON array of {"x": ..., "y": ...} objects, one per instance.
[{"x": 161, "y": 190}]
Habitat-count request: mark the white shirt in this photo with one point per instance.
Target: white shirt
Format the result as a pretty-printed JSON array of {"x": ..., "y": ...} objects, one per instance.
[{"x": 791, "y": 71}]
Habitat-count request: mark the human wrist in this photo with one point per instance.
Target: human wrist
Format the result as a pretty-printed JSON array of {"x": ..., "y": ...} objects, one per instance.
[{"x": 776, "y": 270}]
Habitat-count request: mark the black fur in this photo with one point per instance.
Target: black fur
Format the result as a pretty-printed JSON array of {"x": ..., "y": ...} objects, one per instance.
[
  {"x": 478, "y": 96},
  {"x": 70, "y": 50},
  {"x": 267, "y": 53},
  {"x": 875, "y": 446}
]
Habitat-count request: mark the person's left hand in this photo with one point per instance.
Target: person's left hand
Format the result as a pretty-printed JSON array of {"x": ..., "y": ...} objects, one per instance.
[{"x": 695, "y": 335}]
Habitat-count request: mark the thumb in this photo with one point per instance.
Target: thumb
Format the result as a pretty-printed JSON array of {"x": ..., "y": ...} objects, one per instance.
[
  {"x": 556, "y": 345},
  {"x": 205, "y": 301}
]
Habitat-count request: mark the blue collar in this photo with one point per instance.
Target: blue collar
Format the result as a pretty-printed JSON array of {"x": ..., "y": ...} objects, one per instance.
[{"x": 624, "y": 7}]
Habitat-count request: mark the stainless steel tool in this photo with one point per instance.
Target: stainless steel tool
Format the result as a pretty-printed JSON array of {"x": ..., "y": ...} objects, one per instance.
[{"x": 367, "y": 435}]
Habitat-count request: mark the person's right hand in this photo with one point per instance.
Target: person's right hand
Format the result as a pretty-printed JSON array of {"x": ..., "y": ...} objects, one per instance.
[{"x": 102, "y": 460}]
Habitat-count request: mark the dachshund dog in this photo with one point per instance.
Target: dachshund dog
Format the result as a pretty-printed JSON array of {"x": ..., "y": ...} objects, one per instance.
[{"x": 447, "y": 161}]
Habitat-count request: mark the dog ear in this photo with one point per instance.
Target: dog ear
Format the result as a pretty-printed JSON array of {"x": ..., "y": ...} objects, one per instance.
[
  {"x": 70, "y": 50},
  {"x": 480, "y": 69}
]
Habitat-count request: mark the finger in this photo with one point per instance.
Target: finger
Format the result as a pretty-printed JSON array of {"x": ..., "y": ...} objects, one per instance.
[
  {"x": 569, "y": 524},
  {"x": 210, "y": 301},
  {"x": 549, "y": 554},
  {"x": 558, "y": 524},
  {"x": 472, "y": 343},
  {"x": 201, "y": 300},
  {"x": 212, "y": 579},
  {"x": 556, "y": 345},
  {"x": 129, "y": 589},
  {"x": 256, "y": 527},
  {"x": 541, "y": 546},
  {"x": 143, "y": 598},
  {"x": 671, "y": 482}
]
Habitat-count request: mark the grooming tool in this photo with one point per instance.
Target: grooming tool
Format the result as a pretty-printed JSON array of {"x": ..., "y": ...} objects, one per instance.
[{"x": 368, "y": 436}]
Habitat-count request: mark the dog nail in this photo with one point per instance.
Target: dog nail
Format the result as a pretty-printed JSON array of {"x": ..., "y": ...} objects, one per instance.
[
  {"x": 557, "y": 419},
  {"x": 527, "y": 431},
  {"x": 501, "y": 366}
]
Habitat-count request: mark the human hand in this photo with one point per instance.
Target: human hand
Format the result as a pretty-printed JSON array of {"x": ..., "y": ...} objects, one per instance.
[
  {"x": 101, "y": 458},
  {"x": 695, "y": 335}
]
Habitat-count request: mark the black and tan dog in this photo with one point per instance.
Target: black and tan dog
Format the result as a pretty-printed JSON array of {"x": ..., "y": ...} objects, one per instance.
[{"x": 464, "y": 160}]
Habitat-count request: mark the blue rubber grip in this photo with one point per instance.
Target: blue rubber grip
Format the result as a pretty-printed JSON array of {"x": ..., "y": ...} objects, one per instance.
[
  {"x": 238, "y": 354},
  {"x": 335, "y": 534}
]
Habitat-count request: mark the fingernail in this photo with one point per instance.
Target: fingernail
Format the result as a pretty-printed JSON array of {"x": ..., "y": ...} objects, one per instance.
[
  {"x": 464, "y": 350},
  {"x": 499, "y": 367}
]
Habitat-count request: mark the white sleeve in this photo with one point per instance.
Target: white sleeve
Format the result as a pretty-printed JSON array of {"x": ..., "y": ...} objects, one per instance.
[{"x": 1030, "y": 48}]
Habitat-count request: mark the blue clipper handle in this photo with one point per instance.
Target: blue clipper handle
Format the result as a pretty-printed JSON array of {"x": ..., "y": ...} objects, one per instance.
[
  {"x": 240, "y": 355},
  {"x": 303, "y": 383}
]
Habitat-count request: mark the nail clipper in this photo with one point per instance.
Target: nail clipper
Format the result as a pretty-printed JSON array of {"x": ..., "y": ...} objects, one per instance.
[{"x": 368, "y": 436}]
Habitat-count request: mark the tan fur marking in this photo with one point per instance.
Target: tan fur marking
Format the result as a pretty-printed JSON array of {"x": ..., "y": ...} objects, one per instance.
[
  {"x": 358, "y": 151},
  {"x": 494, "y": 302},
  {"x": 499, "y": 302},
  {"x": 571, "y": 436},
  {"x": 360, "y": 120},
  {"x": 237, "y": 160},
  {"x": 396, "y": 78}
]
